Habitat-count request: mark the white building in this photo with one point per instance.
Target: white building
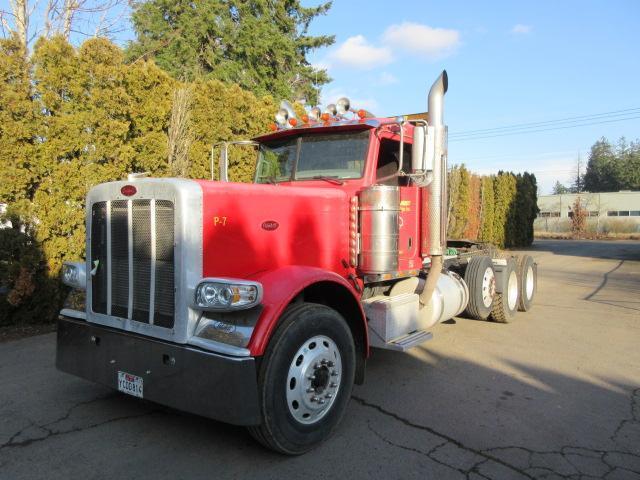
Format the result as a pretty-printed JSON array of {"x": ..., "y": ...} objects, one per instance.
[{"x": 617, "y": 212}]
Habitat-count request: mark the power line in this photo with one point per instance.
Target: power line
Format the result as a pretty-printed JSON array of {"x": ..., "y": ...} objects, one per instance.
[
  {"x": 504, "y": 134},
  {"x": 521, "y": 156},
  {"x": 582, "y": 118}
]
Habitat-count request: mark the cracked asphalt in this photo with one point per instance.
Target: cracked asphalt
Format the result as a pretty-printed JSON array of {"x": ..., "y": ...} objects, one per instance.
[{"x": 555, "y": 394}]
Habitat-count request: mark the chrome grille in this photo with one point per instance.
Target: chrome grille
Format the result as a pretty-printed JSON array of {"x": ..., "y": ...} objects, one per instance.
[{"x": 132, "y": 243}]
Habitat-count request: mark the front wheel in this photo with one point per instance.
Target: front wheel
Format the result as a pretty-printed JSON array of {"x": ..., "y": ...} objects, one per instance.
[{"x": 305, "y": 379}]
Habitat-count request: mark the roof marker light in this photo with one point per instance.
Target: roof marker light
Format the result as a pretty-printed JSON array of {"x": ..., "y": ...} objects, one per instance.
[
  {"x": 281, "y": 117},
  {"x": 343, "y": 105},
  {"x": 315, "y": 114},
  {"x": 331, "y": 110}
]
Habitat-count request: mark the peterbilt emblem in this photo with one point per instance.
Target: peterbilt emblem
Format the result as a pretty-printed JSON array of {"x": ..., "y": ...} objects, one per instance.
[{"x": 270, "y": 225}]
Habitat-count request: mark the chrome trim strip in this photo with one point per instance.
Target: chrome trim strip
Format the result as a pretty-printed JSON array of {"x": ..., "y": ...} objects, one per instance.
[
  {"x": 217, "y": 347},
  {"x": 130, "y": 255},
  {"x": 152, "y": 280},
  {"x": 108, "y": 227},
  {"x": 68, "y": 312}
]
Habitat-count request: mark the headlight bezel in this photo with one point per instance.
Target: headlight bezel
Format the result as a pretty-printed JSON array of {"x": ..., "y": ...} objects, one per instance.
[
  {"x": 224, "y": 285},
  {"x": 74, "y": 275}
]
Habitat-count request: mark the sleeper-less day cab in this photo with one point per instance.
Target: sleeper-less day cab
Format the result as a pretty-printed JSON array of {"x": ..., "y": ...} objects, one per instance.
[{"x": 257, "y": 304}]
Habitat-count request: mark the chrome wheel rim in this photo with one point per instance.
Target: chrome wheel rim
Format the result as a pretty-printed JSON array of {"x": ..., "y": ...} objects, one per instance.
[
  {"x": 488, "y": 287},
  {"x": 529, "y": 283},
  {"x": 512, "y": 290},
  {"x": 314, "y": 378}
]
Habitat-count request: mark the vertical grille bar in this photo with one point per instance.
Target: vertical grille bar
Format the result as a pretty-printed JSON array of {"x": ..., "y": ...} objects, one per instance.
[
  {"x": 108, "y": 272},
  {"x": 120, "y": 273},
  {"x": 130, "y": 257},
  {"x": 99, "y": 251},
  {"x": 164, "y": 271},
  {"x": 141, "y": 260},
  {"x": 152, "y": 281}
]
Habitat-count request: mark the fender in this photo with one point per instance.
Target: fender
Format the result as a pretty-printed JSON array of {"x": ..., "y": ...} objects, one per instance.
[{"x": 281, "y": 286}]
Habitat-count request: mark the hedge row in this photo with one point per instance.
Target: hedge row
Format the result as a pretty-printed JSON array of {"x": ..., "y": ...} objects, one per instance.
[
  {"x": 498, "y": 209},
  {"x": 71, "y": 118}
]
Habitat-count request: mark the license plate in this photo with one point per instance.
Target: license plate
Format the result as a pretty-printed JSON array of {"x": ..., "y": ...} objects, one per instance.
[{"x": 130, "y": 384}]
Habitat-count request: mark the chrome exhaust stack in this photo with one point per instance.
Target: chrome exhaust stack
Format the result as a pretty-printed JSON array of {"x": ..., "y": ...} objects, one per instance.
[{"x": 437, "y": 189}]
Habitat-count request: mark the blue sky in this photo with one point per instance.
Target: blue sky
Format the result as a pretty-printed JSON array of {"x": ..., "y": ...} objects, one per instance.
[{"x": 508, "y": 63}]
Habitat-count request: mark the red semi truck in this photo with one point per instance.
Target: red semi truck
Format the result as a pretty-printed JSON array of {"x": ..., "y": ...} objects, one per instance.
[{"x": 257, "y": 304}]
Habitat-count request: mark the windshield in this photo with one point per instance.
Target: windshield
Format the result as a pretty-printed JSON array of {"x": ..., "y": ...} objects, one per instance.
[{"x": 303, "y": 157}]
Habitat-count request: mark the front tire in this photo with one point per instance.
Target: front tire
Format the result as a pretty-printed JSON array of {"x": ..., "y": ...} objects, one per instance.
[{"x": 305, "y": 379}]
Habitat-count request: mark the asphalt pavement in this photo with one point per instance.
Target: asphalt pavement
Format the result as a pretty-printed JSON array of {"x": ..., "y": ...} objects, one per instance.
[{"x": 555, "y": 394}]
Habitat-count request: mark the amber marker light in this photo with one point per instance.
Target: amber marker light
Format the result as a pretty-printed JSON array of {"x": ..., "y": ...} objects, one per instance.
[
  {"x": 324, "y": 117},
  {"x": 293, "y": 122},
  {"x": 305, "y": 118},
  {"x": 273, "y": 127},
  {"x": 362, "y": 113}
]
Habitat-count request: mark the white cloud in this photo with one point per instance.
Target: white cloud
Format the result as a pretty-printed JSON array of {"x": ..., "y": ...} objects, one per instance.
[
  {"x": 357, "y": 52},
  {"x": 431, "y": 43},
  {"x": 521, "y": 29},
  {"x": 386, "y": 78}
]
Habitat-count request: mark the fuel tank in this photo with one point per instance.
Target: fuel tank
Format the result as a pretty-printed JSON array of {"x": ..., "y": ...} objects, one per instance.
[{"x": 248, "y": 229}]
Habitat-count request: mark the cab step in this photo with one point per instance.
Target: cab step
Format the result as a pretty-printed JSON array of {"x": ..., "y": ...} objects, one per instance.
[{"x": 404, "y": 343}]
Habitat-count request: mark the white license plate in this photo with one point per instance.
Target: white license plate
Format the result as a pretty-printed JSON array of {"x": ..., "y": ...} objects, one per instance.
[{"x": 130, "y": 384}]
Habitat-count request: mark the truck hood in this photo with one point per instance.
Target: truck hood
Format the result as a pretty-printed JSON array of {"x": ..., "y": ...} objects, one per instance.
[{"x": 249, "y": 229}]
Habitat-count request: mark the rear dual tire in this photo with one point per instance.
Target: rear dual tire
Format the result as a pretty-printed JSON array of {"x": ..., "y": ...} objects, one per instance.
[
  {"x": 505, "y": 305},
  {"x": 527, "y": 282},
  {"x": 480, "y": 277}
]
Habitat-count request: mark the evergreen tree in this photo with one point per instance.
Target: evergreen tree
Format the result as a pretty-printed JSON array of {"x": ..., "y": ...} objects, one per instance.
[
  {"x": 559, "y": 188},
  {"x": 628, "y": 157},
  {"x": 18, "y": 134},
  {"x": 602, "y": 168},
  {"x": 261, "y": 45},
  {"x": 487, "y": 203},
  {"x": 577, "y": 185}
]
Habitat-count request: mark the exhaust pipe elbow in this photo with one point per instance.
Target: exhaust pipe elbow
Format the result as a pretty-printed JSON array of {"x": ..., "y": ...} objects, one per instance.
[{"x": 436, "y": 99}]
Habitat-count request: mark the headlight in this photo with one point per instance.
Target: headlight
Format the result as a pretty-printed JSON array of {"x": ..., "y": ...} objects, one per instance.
[
  {"x": 74, "y": 275},
  {"x": 223, "y": 294}
]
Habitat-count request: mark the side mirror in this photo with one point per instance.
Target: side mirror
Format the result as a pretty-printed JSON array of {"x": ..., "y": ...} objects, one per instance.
[
  {"x": 224, "y": 163},
  {"x": 423, "y": 148}
]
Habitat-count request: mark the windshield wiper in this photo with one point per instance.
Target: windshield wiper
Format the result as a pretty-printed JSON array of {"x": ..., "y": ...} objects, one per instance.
[{"x": 333, "y": 180}]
